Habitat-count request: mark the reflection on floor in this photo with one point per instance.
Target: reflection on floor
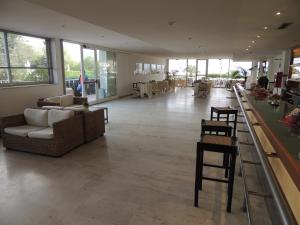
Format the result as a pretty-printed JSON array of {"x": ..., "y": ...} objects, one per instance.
[{"x": 140, "y": 173}]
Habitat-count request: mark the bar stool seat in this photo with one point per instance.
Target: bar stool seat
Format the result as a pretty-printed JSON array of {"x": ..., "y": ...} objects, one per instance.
[
  {"x": 221, "y": 144},
  {"x": 214, "y": 126},
  {"x": 217, "y": 140},
  {"x": 215, "y": 123},
  {"x": 223, "y": 110}
]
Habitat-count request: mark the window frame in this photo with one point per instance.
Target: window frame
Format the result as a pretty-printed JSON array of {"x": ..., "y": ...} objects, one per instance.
[{"x": 49, "y": 67}]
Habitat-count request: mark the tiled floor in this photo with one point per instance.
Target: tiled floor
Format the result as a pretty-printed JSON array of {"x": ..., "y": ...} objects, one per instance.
[{"x": 140, "y": 173}]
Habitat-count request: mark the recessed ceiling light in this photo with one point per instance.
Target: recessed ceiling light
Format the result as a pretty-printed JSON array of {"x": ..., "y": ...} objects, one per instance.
[
  {"x": 249, "y": 46},
  {"x": 247, "y": 49},
  {"x": 266, "y": 28},
  {"x": 278, "y": 13},
  {"x": 253, "y": 42},
  {"x": 171, "y": 23},
  {"x": 258, "y": 36}
]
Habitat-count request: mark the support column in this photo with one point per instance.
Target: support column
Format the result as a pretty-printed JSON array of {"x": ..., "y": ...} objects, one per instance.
[{"x": 253, "y": 76}]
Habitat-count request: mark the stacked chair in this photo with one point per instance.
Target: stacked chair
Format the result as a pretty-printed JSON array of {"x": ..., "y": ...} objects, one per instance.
[{"x": 218, "y": 135}]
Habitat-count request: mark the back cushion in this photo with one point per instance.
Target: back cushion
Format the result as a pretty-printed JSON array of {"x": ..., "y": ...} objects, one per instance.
[
  {"x": 36, "y": 117},
  {"x": 55, "y": 99},
  {"x": 66, "y": 100},
  {"x": 55, "y": 115}
]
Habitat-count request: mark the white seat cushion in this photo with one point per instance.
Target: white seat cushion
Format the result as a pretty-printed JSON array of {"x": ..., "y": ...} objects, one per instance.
[
  {"x": 55, "y": 115},
  {"x": 66, "y": 100},
  {"x": 22, "y": 130},
  {"x": 36, "y": 117},
  {"x": 75, "y": 107},
  {"x": 46, "y": 133},
  {"x": 55, "y": 99}
]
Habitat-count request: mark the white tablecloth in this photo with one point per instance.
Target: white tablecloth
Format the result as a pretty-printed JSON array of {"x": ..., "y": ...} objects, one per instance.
[{"x": 145, "y": 89}]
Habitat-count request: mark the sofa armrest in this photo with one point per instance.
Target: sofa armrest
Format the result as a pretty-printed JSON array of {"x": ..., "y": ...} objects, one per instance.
[
  {"x": 69, "y": 128},
  {"x": 80, "y": 100},
  {"x": 41, "y": 103},
  {"x": 12, "y": 121}
]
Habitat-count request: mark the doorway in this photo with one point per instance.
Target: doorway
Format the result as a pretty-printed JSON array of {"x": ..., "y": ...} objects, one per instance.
[{"x": 89, "y": 72}]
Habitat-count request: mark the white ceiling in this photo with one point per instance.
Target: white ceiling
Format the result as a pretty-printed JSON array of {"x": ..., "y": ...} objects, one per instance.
[
  {"x": 18, "y": 15},
  {"x": 219, "y": 27}
]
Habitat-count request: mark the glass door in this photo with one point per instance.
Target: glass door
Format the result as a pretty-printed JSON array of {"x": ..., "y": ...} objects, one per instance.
[
  {"x": 107, "y": 74},
  {"x": 89, "y": 72},
  {"x": 72, "y": 68},
  {"x": 191, "y": 71},
  {"x": 89, "y": 77},
  {"x": 201, "y": 69}
]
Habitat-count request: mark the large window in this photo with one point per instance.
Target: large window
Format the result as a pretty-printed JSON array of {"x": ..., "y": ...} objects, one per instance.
[
  {"x": 24, "y": 59},
  {"x": 191, "y": 71},
  {"x": 218, "y": 68},
  {"x": 239, "y": 69},
  {"x": 178, "y": 66}
]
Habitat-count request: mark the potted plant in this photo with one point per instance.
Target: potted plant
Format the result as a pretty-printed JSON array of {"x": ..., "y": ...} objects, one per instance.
[{"x": 240, "y": 73}]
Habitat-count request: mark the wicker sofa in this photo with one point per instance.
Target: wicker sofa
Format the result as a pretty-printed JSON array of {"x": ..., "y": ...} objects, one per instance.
[
  {"x": 48, "y": 132},
  {"x": 62, "y": 101}
]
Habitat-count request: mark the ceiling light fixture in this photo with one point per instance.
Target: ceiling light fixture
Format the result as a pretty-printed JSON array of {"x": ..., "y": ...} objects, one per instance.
[
  {"x": 253, "y": 42},
  {"x": 247, "y": 49},
  {"x": 258, "y": 36},
  {"x": 278, "y": 13},
  {"x": 265, "y": 28},
  {"x": 171, "y": 23},
  {"x": 249, "y": 46}
]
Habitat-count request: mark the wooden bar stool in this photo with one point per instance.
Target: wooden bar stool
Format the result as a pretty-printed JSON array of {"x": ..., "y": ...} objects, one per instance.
[
  {"x": 218, "y": 128},
  {"x": 227, "y": 111},
  {"x": 219, "y": 144},
  {"x": 215, "y": 127}
]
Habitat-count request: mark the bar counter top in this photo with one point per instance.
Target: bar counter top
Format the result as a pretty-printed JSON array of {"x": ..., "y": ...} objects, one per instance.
[
  {"x": 278, "y": 147},
  {"x": 271, "y": 116}
]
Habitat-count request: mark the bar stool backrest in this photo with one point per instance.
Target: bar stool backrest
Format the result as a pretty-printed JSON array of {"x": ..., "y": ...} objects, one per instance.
[{"x": 225, "y": 111}]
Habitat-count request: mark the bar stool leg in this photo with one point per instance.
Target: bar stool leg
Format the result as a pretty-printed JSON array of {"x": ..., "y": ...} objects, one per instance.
[
  {"x": 226, "y": 163},
  {"x": 234, "y": 124},
  {"x": 231, "y": 181},
  {"x": 201, "y": 168},
  {"x": 197, "y": 176}
]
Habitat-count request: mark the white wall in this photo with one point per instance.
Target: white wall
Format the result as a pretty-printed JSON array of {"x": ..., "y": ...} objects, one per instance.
[
  {"x": 275, "y": 66},
  {"x": 286, "y": 60},
  {"x": 126, "y": 66},
  {"x": 124, "y": 76},
  {"x": 137, "y": 58}
]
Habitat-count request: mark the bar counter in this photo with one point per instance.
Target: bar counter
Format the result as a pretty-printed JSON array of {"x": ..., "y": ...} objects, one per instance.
[{"x": 279, "y": 151}]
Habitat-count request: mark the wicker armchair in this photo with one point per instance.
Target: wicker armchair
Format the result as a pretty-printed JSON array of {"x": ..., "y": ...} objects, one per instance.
[{"x": 68, "y": 134}]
